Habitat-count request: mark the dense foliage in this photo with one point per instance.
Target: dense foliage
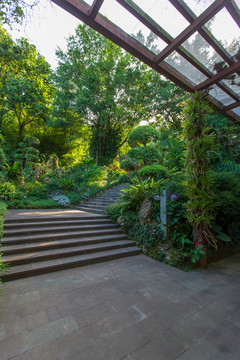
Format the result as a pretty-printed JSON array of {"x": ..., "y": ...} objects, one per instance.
[{"x": 67, "y": 134}]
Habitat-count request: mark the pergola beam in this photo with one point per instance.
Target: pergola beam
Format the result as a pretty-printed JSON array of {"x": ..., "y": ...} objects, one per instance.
[
  {"x": 93, "y": 11},
  {"x": 194, "y": 26},
  {"x": 164, "y": 35},
  {"x": 232, "y": 106},
  {"x": 159, "y": 31},
  {"x": 203, "y": 31},
  {"x": 121, "y": 38},
  {"x": 219, "y": 76},
  {"x": 234, "y": 11},
  {"x": 90, "y": 15}
]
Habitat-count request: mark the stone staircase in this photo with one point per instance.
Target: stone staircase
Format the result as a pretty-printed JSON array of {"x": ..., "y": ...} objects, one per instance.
[
  {"x": 99, "y": 202},
  {"x": 41, "y": 245},
  {"x": 33, "y": 245}
]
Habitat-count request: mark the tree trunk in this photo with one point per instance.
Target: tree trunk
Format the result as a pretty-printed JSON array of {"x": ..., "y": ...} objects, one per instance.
[
  {"x": 200, "y": 240},
  {"x": 21, "y": 130}
]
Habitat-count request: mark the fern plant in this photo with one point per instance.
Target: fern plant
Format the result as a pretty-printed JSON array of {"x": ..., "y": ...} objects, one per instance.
[{"x": 133, "y": 196}]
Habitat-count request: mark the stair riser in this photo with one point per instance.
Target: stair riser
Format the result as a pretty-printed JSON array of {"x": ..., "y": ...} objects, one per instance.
[
  {"x": 68, "y": 254},
  {"x": 36, "y": 248},
  {"x": 97, "y": 203},
  {"x": 92, "y": 206},
  {"x": 95, "y": 211},
  {"x": 53, "y": 219},
  {"x": 58, "y": 237},
  {"x": 60, "y": 224},
  {"x": 32, "y": 272},
  {"x": 25, "y": 232}
]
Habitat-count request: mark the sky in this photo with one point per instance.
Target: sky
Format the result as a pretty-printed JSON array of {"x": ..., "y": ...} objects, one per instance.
[{"x": 48, "y": 26}]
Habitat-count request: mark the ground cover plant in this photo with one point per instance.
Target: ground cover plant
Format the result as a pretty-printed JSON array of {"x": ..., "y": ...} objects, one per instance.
[
  {"x": 3, "y": 210},
  {"x": 60, "y": 187}
]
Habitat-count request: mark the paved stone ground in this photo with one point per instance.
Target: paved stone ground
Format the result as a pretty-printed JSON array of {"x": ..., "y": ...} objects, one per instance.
[{"x": 132, "y": 309}]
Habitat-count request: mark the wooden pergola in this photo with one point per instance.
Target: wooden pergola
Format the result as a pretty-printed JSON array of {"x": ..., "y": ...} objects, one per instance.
[{"x": 222, "y": 85}]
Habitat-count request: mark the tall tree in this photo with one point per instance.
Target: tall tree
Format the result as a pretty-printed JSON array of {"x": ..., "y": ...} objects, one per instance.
[
  {"x": 25, "y": 84},
  {"x": 106, "y": 86},
  {"x": 14, "y": 10}
]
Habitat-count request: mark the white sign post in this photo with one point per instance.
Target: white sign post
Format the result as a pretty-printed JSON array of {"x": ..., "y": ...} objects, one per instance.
[{"x": 163, "y": 213}]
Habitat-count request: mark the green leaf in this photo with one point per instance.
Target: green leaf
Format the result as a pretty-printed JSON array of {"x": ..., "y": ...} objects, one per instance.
[{"x": 223, "y": 237}]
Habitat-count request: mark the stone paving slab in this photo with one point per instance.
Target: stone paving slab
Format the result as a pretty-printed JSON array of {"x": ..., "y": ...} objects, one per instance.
[{"x": 132, "y": 308}]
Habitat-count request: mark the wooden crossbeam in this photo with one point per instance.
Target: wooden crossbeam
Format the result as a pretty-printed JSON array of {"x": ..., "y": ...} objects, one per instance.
[
  {"x": 121, "y": 38},
  {"x": 219, "y": 76},
  {"x": 91, "y": 16},
  {"x": 232, "y": 106},
  {"x": 93, "y": 11},
  {"x": 194, "y": 26},
  {"x": 234, "y": 11}
]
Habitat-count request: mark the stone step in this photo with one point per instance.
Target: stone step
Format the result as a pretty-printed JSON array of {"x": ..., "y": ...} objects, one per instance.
[
  {"x": 87, "y": 209},
  {"x": 59, "y": 223},
  {"x": 23, "y": 271},
  {"x": 99, "y": 202},
  {"x": 41, "y": 230},
  {"x": 57, "y": 244},
  {"x": 92, "y": 206},
  {"x": 45, "y": 218},
  {"x": 58, "y": 236},
  {"x": 46, "y": 255}
]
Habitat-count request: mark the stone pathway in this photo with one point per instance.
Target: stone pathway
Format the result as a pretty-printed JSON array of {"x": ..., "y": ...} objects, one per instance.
[{"x": 133, "y": 309}]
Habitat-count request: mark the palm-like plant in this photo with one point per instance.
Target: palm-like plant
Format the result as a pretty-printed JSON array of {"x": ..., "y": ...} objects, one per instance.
[{"x": 133, "y": 196}]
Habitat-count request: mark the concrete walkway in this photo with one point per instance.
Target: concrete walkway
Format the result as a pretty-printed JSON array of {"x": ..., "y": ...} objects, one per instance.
[{"x": 132, "y": 309}]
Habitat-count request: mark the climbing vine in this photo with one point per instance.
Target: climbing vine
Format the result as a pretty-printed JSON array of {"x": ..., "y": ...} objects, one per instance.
[{"x": 199, "y": 140}]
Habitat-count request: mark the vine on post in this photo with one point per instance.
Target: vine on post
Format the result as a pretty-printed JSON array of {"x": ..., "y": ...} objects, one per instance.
[{"x": 199, "y": 140}]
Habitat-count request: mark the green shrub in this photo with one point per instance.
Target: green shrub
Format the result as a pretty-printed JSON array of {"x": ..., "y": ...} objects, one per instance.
[
  {"x": 128, "y": 164},
  {"x": 52, "y": 183},
  {"x": 147, "y": 154},
  {"x": 115, "y": 174},
  {"x": 26, "y": 154},
  {"x": 14, "y": 172},
  {"x": 2, "y": 177},
  {"x": 35, "y": 189},
  {"x": 74, "y": 197},
  {"x": 124, "y": 179},
  {"x": 7, "y": 191},
  {"x": 153, "y": 171},
  {"x": 142, "y": 135},
  {"x": 88, "y": 173},
  {"x": 3, "y": 208},
  {"x": 32, "y": 203},
  {"x": 66, "y": 183},
  {"x": 114, "y": 211},
  {"x": 226, "y": 165},
  {"x": 147, "y": 236},
  {"x": 227, "y": 190}
]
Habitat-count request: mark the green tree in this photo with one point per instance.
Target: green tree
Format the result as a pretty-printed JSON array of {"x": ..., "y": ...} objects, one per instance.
[
  {"x": 142, "y": 135},
  {"x": 142, "y": 139},
  {"x": 13, "y": 10},
  {"x": 2, "y": 155},
  {"x": 26, "y": 154},
  {"x": 107, "y": 87},
  {"x": 25, "y": 85}
]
